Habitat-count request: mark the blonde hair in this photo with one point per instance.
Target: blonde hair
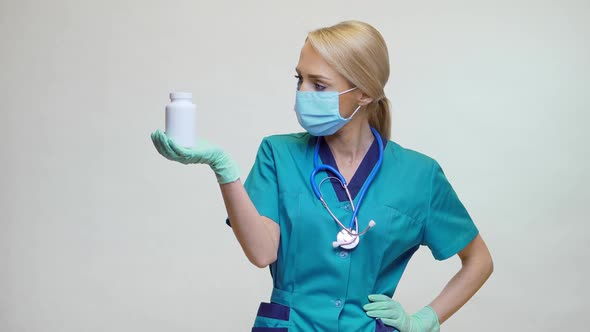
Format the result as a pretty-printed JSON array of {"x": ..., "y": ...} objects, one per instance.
[{"x": 358, "y": 52}]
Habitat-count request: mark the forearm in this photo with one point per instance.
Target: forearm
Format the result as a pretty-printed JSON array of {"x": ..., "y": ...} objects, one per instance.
[
  {"x": 256, "y": 234},
  {"x": 476, "y": 269}
]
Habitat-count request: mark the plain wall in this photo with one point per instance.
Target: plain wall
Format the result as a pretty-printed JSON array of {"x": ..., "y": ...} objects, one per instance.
[{"x": 100, "y": 233}]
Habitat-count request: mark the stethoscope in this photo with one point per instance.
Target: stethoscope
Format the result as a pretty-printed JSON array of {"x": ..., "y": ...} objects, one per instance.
[{"x": 348, "y": 237}]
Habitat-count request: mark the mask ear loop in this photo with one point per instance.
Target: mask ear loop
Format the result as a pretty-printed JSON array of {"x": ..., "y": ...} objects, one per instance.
[
  {"x": 353, "y": 113},
  {"x": 346, "y": 91},
  {"x": 356, "y": 110}
]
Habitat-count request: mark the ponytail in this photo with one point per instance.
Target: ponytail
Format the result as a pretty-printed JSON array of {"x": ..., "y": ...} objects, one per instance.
[{"x": 380, "y": 118}]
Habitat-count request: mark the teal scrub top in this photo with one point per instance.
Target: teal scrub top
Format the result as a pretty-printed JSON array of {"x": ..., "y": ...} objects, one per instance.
[{"x": 320, "y": 288}]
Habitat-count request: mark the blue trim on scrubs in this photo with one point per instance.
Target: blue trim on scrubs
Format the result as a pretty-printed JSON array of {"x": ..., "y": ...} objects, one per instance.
[
  {"x": 274, "y": 310},
  {"x": 361, "y": 174},
  {"x": 381, "y": 327}
]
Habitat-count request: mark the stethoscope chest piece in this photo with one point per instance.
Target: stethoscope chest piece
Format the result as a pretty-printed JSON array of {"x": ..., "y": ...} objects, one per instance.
[{"x": 347, "y": 239}]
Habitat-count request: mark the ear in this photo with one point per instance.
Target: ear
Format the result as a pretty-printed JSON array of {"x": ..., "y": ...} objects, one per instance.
[{"x": 363, "y": 99}]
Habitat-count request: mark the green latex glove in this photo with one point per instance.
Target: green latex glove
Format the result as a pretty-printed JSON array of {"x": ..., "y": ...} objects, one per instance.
[
  {"x": 225, "y": 168},
  {"x": 392, "y": 314}
]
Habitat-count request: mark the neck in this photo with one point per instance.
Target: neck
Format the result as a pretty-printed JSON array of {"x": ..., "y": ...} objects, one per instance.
[{"x": 350, "y": 144}]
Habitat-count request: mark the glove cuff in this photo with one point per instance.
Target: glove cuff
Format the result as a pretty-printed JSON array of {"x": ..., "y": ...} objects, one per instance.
[
  {"x": 226, "y": 170},
  {"x": 429, "y": 319}
]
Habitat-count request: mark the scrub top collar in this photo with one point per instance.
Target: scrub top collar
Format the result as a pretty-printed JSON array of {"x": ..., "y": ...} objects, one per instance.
[{"x": 361, "y": 174}]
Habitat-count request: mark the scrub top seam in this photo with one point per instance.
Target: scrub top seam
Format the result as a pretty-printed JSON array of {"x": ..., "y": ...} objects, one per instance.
[{"x": 427, "y": 221}]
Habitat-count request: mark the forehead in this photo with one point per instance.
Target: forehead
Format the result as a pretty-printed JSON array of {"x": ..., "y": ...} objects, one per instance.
[{"x": 310, "y": 62}]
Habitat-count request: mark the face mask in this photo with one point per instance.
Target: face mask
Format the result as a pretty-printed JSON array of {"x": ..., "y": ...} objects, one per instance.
[{"x": 319, "y": 112}]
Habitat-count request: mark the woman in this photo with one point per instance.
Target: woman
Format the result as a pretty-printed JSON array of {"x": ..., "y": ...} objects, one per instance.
[{"x": 335, "y": 266}]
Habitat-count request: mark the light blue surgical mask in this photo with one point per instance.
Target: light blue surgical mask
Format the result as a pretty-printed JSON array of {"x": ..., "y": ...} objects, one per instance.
[{"x": 319, "y": 112}]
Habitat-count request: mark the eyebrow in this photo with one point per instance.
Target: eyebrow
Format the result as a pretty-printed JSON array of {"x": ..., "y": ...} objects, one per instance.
[{"x": 314, "y": 76}]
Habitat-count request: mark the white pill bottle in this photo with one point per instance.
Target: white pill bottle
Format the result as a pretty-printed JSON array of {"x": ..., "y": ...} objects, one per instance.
[{"x": 181, "y": 119}]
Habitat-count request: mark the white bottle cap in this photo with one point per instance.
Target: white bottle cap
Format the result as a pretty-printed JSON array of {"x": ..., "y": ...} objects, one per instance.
[{"x": 181, "y": 95}]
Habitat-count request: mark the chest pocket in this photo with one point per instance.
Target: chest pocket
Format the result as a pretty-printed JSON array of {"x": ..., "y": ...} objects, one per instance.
[
  {"x": 404, "y": 232},
  {"x": 394, "y": 234}
]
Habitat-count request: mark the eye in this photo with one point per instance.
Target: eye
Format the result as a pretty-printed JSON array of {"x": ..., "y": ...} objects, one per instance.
[{"x": 319, "y": 87}]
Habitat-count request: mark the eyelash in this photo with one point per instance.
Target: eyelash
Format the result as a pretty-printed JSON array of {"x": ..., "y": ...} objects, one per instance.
[
  {"x": 299, "y": 79},
  {"x": 317, "y": 86}
]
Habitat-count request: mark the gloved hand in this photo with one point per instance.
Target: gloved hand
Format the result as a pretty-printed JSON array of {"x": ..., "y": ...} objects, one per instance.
[
  {"x": 392, "y": 314},
  {"x": 225, "y": 168}
]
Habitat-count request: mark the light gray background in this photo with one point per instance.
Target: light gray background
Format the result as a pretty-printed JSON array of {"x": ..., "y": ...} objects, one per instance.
[{"x": 100, "y": 233}]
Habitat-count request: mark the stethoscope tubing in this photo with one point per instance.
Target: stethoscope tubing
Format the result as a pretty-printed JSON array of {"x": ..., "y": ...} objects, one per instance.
[{"x": 322, "y": 167}]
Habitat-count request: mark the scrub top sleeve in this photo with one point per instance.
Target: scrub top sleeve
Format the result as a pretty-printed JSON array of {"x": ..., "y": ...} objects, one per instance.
[
  {"x": 261, "y": 184},
  {"x": 448, "y": 227}
]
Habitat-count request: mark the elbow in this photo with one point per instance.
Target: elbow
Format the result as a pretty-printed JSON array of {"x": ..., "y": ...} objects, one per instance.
[
  {"x": 263, "y": 261},
  {"x": 476, "y": 257},
  {"x": 490, "y": 266},
  {"x": 485, "y": 266},
  {"x": 488, "y": 263}
]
